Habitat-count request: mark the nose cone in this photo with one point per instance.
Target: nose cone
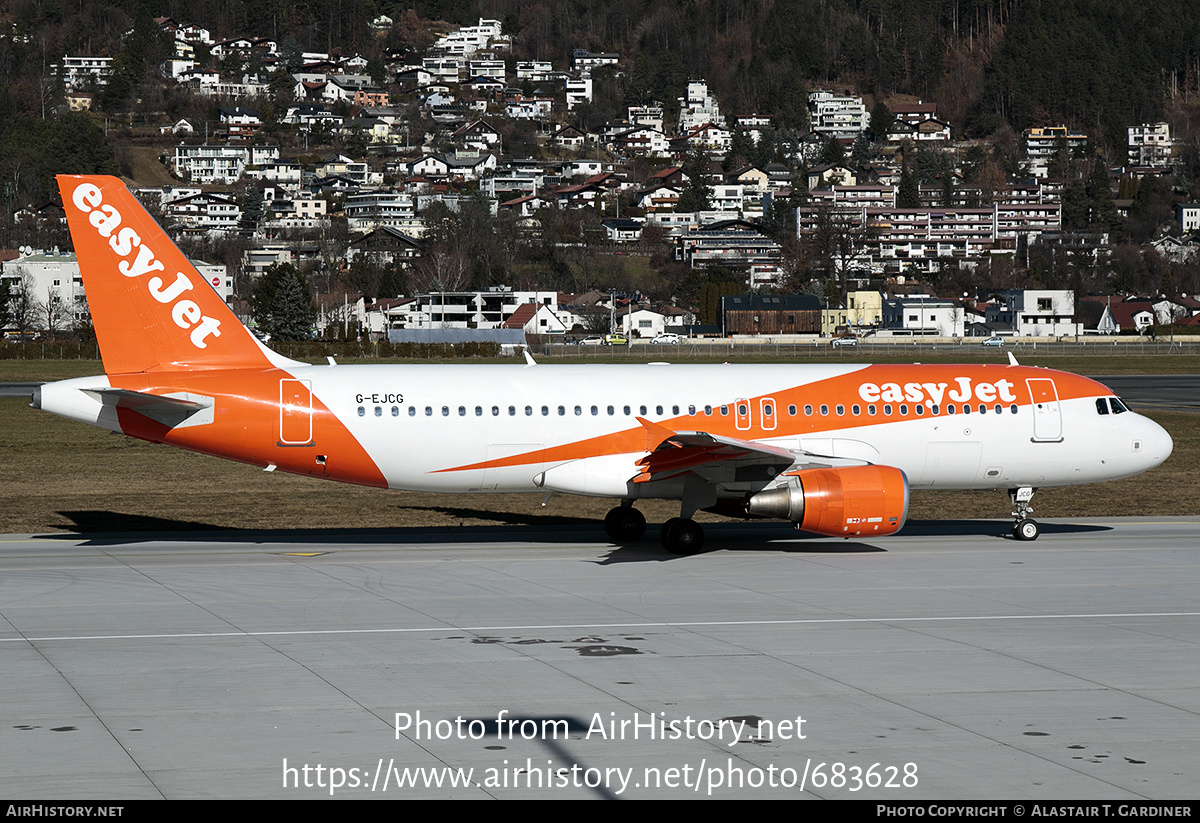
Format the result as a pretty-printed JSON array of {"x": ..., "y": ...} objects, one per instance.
[{"x": 1158, "y": 444}]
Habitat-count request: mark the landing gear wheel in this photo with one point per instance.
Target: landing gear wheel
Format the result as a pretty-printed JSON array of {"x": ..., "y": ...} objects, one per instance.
[
  {"x": 666, "y": 530},
  {"x": 1026, "y": 529},
  {"x": 625, "y": 524},
  {"x": 684, "y": 537}
]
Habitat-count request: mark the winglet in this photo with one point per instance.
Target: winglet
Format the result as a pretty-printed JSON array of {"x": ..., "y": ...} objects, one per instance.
[
  {"x": 150, "y": 307},
  {"x": 529, "y": 361},
  {"x": 1012, "y": 359}
]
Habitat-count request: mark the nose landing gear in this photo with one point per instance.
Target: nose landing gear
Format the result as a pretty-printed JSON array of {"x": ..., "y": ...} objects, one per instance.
[{"x": 1024, "y": 527}]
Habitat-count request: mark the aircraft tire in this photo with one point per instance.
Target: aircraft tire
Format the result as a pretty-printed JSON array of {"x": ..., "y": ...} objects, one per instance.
[
  {"x": 1027, "y": 529},
  {"x": 685, "y": 537},
  {"x": 625, "y": 524},
  {"x": 665, "y": 531}
]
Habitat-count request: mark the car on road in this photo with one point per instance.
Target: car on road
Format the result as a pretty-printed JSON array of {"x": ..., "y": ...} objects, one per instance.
[
  {"x": 666, "y": 338},
  {"x": 616, "y": 340},
  {"x": 591, "y": 341},
  {"x": 994, "y": 340},
  {"x": 841, "y": 342}
]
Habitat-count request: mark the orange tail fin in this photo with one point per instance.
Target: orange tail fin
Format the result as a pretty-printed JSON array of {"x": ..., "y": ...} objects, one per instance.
[{"x": 150, "y": 307}]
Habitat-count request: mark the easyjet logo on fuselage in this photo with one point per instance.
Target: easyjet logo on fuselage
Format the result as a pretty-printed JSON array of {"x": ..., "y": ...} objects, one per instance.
[
  {"x": 963, "y": 390},
  {"x": 124, "y": 240}
]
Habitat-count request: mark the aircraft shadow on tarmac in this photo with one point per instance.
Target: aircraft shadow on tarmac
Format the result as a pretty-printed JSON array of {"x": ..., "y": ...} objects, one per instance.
[{"x": 100, "y": 527}]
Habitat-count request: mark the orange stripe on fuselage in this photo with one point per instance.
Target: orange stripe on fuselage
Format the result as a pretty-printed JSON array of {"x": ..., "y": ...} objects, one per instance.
[
  {"x": 246, "y": 421},
  {"x": 846, "y": 390}
]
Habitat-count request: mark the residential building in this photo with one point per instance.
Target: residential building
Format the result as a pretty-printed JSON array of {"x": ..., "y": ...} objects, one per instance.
[
  {"x": 836, "y": 115},
  {"x": 84, "y": 73},
  {"x": 1035, "y": 312},
  {"x": 1150, "y": 144},
  {"x": 924, "y": 315}
]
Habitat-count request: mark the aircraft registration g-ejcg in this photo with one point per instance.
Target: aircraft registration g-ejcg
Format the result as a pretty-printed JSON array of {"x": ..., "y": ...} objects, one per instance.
[{"x": 833, "y": 449}]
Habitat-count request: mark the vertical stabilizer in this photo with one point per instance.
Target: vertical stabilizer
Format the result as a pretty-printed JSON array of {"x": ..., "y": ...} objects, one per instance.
[{"x": 150, "y": 307}]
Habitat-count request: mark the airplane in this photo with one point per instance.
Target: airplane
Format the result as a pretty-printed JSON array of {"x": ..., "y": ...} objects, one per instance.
[{"x": 834, "y": 449}]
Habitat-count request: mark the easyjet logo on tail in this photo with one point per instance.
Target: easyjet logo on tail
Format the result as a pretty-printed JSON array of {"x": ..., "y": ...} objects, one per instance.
[{"x": 124, "y": 241}]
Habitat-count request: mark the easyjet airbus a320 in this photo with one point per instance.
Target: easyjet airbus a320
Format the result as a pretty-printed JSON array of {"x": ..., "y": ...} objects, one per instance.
[{"x": 833, "y": 449}]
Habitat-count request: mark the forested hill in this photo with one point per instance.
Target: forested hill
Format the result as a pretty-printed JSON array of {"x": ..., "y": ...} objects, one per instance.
[{"x": 1092, "y": 64}]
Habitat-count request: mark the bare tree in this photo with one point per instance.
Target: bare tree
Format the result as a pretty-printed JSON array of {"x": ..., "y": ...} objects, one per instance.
[
  {"x": 55, "y": 309},
  {"x": 24, "y": 309}
]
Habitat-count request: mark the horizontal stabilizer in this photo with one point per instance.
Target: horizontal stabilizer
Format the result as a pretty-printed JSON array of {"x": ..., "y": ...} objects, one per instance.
[{"x": 169, "y": 410}]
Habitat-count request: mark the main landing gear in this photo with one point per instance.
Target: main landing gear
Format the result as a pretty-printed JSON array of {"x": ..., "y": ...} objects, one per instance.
[
  {"x": 625, "y": 524},
  {"x": 679, "y": 535},
  {"x": 1024, "y": 527}
]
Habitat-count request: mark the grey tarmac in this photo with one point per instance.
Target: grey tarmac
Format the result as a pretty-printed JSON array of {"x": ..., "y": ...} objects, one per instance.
[{"x": 194, "y": 665}]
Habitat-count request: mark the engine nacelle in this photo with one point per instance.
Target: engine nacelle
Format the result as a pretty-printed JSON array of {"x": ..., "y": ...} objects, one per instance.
[{"x": 839, "y": 502}]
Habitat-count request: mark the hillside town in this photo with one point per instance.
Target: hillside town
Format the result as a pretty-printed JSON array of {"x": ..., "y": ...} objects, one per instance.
[{"x": 452, "y": 185}]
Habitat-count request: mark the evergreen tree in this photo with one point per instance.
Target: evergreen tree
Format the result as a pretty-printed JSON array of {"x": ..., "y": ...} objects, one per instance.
[
  {"x": 881, "y": 122},
  {"x": 832, "y": 153},
  {"x": 1104, "y": 216},
  {"x": 1075, "y": 206},
  {"x": 696, "y": 193},
  {"x": 281, "y": 303},
  {"x": 909, "y": 195}
]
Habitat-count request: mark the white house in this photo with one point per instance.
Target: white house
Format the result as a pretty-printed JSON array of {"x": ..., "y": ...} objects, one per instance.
[{"x": 1036, "y": 312}]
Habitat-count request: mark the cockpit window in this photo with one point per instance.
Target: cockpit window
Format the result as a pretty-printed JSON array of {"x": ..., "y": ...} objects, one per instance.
[
  {"x": 1117, "y": 406},
  {"x": 1101, "y": 406}
]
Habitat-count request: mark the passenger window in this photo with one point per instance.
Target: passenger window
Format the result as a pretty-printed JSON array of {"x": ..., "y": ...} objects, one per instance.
[
  {"x": 982, "y": 409},
  {"x": 708, "y": 411},
  {"x": 627, "y": 411},
  {"x": 379, "y": 411},
  {"x": 642, "y": 410},
  {"x": 429, "y": 411},
  {"x": 462, "y": 411},
  {"x": 595, "y": 411},
  {"x": 512, "y": 411},
  {"x": 936, "y": 409},
  {"x": 768, "y": 410},
  {"x": 807, "y": 410},
  {"x": 362, "y": 412},
  {"x": 887, "y": 409},
  {"x": 871, "y": 409},
  {"x": 824, "y": 410},
  {"x": 395, "y": 411},
  {"x": 479, "y": 411},
  {"x": 445, "y": 411},
  {"x": 856, "y": 410},
  {"x": 724, "y": 411},
  {"x": 611, "y": 411},
  {"x": 412, "y": 411},
  {"x": 840, "y": 409},
  {"x": 920, "y": 409},
  {"x": 1013, "y": 408},
  {"x": 999, "y": 409},
  {"x": 692, "y": 411},
  {"x": 675, "y": 410},
  {"x": 529, "y": 411},
  {"x": 657, "y": 409},
  {"x": 903, "y": 409},
  {"x": 496, "y": 411},
  {"x": 562, "y": 411},
  {"x": 545, "y": 411},
  {"x": 791, "y": 411},
  {"x": 578, "y": 410}
]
